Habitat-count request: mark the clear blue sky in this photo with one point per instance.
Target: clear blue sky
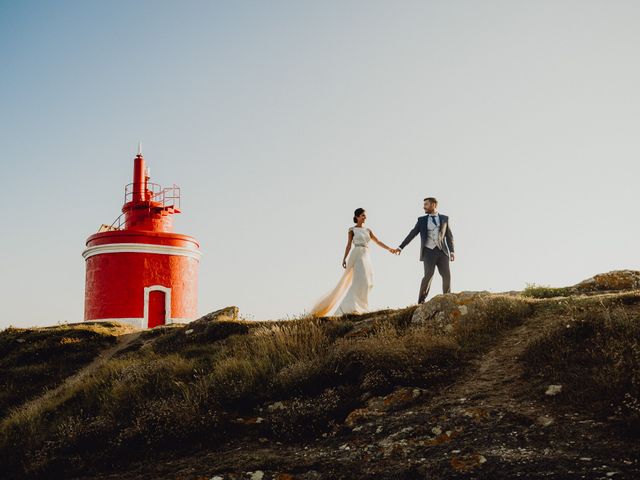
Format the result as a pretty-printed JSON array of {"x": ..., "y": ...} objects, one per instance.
[{"x": 278, "y": 119}]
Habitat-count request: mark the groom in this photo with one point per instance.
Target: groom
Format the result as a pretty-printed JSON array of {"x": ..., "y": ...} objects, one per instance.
[{"x": 436, "y": 246}]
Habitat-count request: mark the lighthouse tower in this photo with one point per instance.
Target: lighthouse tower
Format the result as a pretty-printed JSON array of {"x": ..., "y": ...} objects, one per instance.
[{"x": 139, "y": 271}]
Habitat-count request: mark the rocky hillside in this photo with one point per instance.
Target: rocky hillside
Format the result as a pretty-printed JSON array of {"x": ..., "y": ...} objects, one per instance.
[{"x": 543, "y": 383}]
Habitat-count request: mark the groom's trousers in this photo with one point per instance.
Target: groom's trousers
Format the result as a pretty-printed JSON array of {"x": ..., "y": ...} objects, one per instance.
[{"x": 434, "y": 257}]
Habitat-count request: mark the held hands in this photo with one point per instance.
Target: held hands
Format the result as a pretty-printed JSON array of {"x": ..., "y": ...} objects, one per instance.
[{"x": 395, "y": 251}]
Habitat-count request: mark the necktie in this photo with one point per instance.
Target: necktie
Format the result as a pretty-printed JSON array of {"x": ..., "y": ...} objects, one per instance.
[{"x": 433, "y": 218}]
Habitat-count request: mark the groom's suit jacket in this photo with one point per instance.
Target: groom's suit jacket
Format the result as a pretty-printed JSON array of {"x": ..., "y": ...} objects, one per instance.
[{"x": 445, "y": 239}]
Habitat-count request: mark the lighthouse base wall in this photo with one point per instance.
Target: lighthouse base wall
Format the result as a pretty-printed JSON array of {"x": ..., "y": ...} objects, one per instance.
[
  {"x": 141, "y": 289},
  {"x": 141, "y": 323}
]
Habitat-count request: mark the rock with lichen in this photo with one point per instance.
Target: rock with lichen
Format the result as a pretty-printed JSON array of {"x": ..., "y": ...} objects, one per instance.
[
  {"x": 227, "y": 313},
  {"x": 444, "y": 311},
  {"x": 611, "y": 281}
]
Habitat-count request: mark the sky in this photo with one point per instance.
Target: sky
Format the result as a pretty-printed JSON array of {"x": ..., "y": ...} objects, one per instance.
[{"x": 278, "y": 119}]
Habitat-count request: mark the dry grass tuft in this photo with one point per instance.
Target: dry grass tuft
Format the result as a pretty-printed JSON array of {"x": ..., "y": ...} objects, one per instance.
[
  {"x": 388, "y": 356},
  {"x": 594, "y": 354},
  {"x": 497, "y": 315}
]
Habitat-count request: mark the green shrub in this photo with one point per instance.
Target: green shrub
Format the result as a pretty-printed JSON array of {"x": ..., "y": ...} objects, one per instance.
[{"x": 544, "y": 291}]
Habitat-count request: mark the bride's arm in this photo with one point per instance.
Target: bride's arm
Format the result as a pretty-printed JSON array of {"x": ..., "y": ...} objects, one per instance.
[
  {"x": 375, "y": 239},
  {"x": 347, "y": 249}
]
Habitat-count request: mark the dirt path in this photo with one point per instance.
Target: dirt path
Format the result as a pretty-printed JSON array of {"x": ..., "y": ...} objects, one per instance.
[
  {"x": 123, "y": 342},
  {"x": 505, "y": 426},
  {"x": 57, "y": 394},
  {"x": 495, "y": 379}
]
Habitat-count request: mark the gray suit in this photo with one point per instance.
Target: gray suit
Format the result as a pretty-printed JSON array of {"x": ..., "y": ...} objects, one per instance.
[{"x": 438, "y": 257}]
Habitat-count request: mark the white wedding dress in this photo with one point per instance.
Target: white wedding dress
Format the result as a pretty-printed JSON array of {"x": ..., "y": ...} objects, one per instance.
[{"x": 356, "y": 281}]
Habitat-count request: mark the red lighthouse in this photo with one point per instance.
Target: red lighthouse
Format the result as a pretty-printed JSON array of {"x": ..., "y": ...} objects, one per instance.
[{"x": 138, "y": 270}]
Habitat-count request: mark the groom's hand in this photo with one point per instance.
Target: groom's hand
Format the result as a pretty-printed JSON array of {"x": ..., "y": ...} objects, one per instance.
[{"x": 453, "y": 256}]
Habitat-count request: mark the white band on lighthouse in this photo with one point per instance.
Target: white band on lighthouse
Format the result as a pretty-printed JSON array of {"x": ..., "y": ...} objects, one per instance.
[{"x": 141, "y": 248}]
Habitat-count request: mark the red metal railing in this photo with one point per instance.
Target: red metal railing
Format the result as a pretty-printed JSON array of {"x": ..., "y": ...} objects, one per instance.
[
  {"x": 167, "y": 197},
  {"x": 117, "y": 224}
]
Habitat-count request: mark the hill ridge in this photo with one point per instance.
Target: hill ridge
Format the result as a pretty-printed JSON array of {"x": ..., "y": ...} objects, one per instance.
[{"x": 455, "y": 388}]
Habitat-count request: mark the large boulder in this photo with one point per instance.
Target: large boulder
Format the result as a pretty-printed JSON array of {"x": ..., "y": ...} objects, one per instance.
[
  {"x": 224, "y": 314},
  {"x": 442, "y": 312},
  {"x": 610, "y": 281},
  {"x": 453, "y": 312},
  {"x": 217, "y": 325}
]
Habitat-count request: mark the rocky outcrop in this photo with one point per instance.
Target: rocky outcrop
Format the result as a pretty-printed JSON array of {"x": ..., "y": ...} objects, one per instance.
[
  {"x": 217, "y": 325},
  {"x": 610, "y": 281},
  {"x": 380, "y": 406},
  {"x": 227, "y": 313},
  {"x": 443, "y": 312}
]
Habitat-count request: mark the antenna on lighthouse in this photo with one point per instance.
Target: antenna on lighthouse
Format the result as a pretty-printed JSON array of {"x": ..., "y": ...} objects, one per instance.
[{"x": 140, "y": 148}]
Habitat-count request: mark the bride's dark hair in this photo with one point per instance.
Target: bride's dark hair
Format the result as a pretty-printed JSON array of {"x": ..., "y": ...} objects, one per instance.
[{"x": 357, "y": 213}]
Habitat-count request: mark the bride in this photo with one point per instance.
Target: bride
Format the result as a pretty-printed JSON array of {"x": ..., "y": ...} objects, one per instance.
[{"x": 357, "y": 279}]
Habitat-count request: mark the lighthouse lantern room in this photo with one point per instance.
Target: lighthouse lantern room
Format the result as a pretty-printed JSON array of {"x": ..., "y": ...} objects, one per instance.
[{"x": 139, "y": 271}]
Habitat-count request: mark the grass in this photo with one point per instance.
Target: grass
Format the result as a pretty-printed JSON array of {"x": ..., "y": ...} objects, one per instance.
[
  {"x": 185, "y": 386},
  {"x": 544, "y": 291},
  {"x": 496, "y": 315},
  {"x": 32, "y": 360},
  {"x": 594, "y": 352}
]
